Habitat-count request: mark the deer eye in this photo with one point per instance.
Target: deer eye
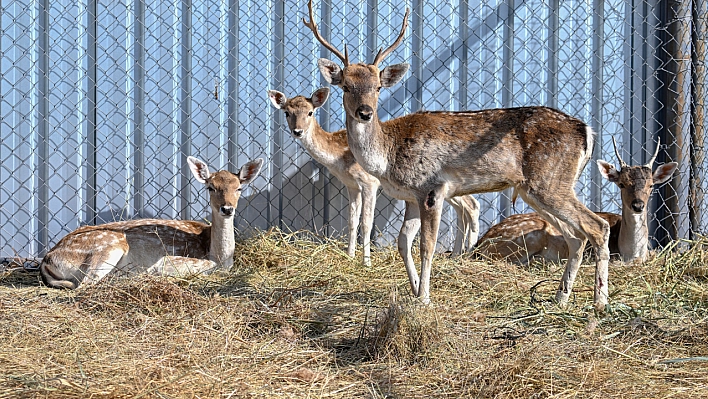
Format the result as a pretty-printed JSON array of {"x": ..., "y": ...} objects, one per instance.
[
  {"x": 345, "y": 89},
  {"x": 210, "y": 189},
  {"x": 378, "y": 88},
  {"x": 287, "y": 114},
  {"x": 621, "y": 185},
  {"x": 309, "y": 113}
]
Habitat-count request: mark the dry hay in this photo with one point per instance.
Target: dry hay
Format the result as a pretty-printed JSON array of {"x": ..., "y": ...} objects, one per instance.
[
  {"x": 297, "y": 318},
  {"x": 405, "y": 330}
]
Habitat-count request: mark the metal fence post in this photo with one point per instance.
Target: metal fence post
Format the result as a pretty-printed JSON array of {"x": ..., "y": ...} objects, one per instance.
[
  {"x": 185, "y": 123},
  {"x": 139, "y": 110},
  {"x": 415, "y": 83},
  {"x": 464, "y": 55},
  {"x": 553, "y": 10},
  {"x": 698, "y": 114},
  {"x": 596, "y": 107},
  {"x": 677, "y": 95},
  {"x": 326, "y": 31},
  {"x": 278, "y": 84},
  {"x": 507, "y": 89},
  {"x": 233, "y": 84},
  {"x": 43, "y": 128}
]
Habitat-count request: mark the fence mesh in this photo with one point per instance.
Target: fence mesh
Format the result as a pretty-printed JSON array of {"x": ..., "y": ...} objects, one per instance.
[{"x": 101, "y": 102}]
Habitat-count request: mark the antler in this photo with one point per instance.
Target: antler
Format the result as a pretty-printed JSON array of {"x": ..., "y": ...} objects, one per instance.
[
  {"x": 651, "y": 161},
  {"x": 313, "y": 27},
  {"x": 619, "y": 158},
  {"x": 382, "y": 54}
]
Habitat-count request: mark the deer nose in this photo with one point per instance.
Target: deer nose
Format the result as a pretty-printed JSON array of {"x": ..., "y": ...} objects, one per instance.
[
  {"x": 297, "y": 132},
  {"x": 637, "y": 206},
  {"x": 227, "y": 210},
  {"x": 364, "y": 112}
]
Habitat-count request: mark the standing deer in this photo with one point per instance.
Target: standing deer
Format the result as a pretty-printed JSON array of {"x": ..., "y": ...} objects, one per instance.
[
  {"x": 332, "y": 151},
  {"x": 426, "y": 157},
  {"x": 520, "y": 238},
  {"x": 155, "y": 246}
]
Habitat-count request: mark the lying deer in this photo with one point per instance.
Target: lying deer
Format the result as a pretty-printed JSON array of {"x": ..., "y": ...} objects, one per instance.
[
  {"x": 520, "y": 238},
  {"x": 427, "y": 157},
  {"x": 155, "y": 246},
  {"x": 332, "y": 151}
]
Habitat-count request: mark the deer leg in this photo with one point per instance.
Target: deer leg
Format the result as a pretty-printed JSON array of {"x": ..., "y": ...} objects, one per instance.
[
  {"x": 181, "y": 266},
  {"x": 102, "y": 267},
  {"x": 597, "y": 230},
  {"x": 581, "y": 221},
  {"x": 410, "y": 227},
  {"x": 460, "y": 234},
  {"x": 472, "y": 217},
  {"x": 367, "y": 220},
  {"x": 430, "y": 213},
  {"x": 599, "y": 236},
  {"x": 576, "y": 246},
  {"x": 354, "y": 214}
]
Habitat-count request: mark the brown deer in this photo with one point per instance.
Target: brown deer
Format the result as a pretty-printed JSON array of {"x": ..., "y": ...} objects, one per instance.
[
  {"x": 155, "y": 246},
  {"x": 520, "y": 238},
  {"x": 426, "y": 157},
  {"x": 332, "y": 151}
]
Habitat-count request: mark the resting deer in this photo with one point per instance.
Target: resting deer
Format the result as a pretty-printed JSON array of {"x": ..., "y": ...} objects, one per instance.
[
  {"x": 332, "y": 151},
  {"x": 426, "y": 157},
  {"x": 519, "y": 238},
  {"x": 155, "y": 246}
]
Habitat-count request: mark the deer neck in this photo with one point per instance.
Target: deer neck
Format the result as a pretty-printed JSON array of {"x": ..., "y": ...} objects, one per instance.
[
  {"x": 321, "y": 146},
  {"x": 222, "y": 243},
  {"x": 633, "y": 237},
  {"x": 367, "y": 142}
]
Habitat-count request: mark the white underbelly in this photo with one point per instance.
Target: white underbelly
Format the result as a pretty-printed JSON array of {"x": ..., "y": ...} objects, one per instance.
[{"x": 396, "y": 191}]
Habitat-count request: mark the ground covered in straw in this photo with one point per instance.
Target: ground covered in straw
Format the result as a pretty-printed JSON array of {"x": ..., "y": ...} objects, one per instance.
[{"x": 296, "y": 318}]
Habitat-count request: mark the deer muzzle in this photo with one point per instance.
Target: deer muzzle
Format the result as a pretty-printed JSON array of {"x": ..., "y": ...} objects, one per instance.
[
  {"x": 637, "y": 206},
  {"x": 364, "y": 113},
  {"x": 227, "y": 210}
]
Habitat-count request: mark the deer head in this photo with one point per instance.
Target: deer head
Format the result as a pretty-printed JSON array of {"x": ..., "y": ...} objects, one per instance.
[
  {"x": 224, "y": 187},
  {"x": 360, "y": 82},
  {"x": 635, "y": 182},
  {"x": 299, "y": 111}
]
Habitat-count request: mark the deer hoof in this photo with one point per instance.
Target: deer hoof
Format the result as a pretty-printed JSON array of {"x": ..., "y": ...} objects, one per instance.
[{"x": 562, "y": 299}]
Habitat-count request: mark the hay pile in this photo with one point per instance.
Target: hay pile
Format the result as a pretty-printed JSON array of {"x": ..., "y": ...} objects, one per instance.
[{"x": 297, "y": 318}]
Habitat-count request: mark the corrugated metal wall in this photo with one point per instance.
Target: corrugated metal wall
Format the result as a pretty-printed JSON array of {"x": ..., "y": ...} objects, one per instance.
[{"x": 101, "y": 102}]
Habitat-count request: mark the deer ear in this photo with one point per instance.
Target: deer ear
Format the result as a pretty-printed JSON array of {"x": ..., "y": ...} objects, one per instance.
[
  {"x": 319, "y": 97},
  {"x": 663, "y": 173},
  {"x": 277, "y": 98},
  {"x": 199, "y": 169},
  {"x": 608, "y": 171},
  {"x": 393, "y": 74},
  {"x": 331, "y": 71},
  {"x": 250, "y": 171}
]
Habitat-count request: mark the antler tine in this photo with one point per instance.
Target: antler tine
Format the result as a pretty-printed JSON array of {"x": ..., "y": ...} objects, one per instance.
[
  {"x": 619, "y": 158},
  {"x": 651, "y": 161},
  {"x": 313, "y": 27},
  {"x": 382, "y": 54}
]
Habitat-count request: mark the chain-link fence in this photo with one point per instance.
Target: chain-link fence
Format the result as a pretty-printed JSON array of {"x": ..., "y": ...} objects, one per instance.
[{"x": 101, "y": 102}]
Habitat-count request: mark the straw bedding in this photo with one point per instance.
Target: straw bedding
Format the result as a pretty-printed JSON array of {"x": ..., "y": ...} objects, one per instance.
[{"x": 296, "y": 318}]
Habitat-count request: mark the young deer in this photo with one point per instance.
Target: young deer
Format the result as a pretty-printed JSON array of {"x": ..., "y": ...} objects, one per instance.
[
  {"x": 519, "y": 238},
  {"x": 155, "y": 246},
  {"x": 332, "y": 151},
  {"x": 426, "y": 157}
]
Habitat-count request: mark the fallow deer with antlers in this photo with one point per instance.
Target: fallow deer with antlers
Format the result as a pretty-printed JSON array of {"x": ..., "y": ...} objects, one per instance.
[
  {"x": 520, "y": 238},
  {"x": 332, "y": 151},
  {"x": 155, "y": 246},
  {"x": 426, "y": 157}
]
